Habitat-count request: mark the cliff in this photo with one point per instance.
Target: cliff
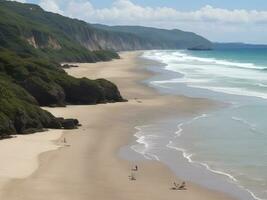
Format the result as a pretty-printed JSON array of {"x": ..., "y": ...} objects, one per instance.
[
  {"x": 30, "y": 75},
  {"x": 66, "y": 39},
  {"x": 154, "y": 38},
  {"x": 32, "y": 44}
]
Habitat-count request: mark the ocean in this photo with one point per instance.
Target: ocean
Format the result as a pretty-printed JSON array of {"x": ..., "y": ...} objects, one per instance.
[{"x": 226, "y": 148}]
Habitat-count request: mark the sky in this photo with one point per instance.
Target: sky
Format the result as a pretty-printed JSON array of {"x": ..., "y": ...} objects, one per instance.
[{"x": 217, "y": 20}]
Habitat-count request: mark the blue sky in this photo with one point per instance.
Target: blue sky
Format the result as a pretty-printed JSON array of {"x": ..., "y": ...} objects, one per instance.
[
  {"x": 218, "y": 20},
  {"x": 195, "y": 4},
  {"x": 189, "y": 5}
]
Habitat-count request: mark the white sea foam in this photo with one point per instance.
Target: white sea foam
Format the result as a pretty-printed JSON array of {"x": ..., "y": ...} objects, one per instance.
[
  {"x": 179, "y": 132},
  {"x": 251, "y": 126},
  {"x": 189, "y": 156},
  {"x": 144, "y": 140},
  {"x": 183, "y": 56},
  {"x": 141, "y": 139},
  {"x": 261, "y": 85},
  {"x": 233, "y": 91},
  {"x": 224, "y": 76},
  {"x": 245, "y": 79}
]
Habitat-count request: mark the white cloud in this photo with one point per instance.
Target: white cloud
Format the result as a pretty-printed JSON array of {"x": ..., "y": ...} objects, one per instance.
[
  {"x": 124, "y": 12},
  {"x": 51, "y": 6}
]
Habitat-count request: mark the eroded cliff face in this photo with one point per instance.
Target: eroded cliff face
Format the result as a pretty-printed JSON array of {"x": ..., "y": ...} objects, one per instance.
[
  {"x": 45, "y": 30},
  {"x": 50, "y": 43},
  {"x": 98, "y": 42},
  {"x": 117, "y": 43},
  {"x": 120, "y": 38}
]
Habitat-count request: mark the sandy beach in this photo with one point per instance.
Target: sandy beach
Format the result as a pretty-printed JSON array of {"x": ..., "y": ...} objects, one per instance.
[{"x": 89, "y": 167}]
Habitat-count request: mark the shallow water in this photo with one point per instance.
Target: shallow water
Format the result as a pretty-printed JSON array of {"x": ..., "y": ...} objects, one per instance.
[{"x": 224, "y": 149}]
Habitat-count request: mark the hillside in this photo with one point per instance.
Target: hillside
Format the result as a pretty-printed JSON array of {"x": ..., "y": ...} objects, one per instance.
[
  {"x": 69, "y": 39},
  {"x": 31, "y": 45},
  {"x": 161, "y": 38},
  {"x": 26, "y": 28}
]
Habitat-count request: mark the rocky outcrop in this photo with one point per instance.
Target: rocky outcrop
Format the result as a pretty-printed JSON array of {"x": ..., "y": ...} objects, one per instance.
[
  {"x": 68, "y": 123},
  {"x": 43, "y": 41},
  {"x": 67, "y": 66},
  {"x": 85, "y": 91},
  {"x": 46, "y": 93},
  {"x": 6, "y": 126},
  {"x": 20, "y": 116},
  {"x": 24, "y": 124}
]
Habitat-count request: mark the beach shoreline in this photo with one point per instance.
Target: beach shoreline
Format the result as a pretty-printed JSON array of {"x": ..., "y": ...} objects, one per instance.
[{"x": 91, "y": 165}]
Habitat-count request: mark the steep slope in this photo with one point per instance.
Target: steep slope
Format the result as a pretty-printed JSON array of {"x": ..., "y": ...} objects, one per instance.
[
  {"x": 26, "y": 28},
  {"x": 33, "y": 42},
  {"x": 63, "y": 38},
  {"x": 30, "y": 75},
  {"x": 161, "y": 38}
]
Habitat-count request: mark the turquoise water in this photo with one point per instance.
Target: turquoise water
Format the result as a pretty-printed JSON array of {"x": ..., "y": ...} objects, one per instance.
[
  {"x": 231, "y": 142},
  {"x": 241, "y": 74},
  {"x": 254, "y": 56}
]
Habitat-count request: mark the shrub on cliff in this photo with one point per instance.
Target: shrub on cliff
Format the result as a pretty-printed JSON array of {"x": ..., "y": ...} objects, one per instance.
[
  {"x": 32, "y": 43},
  {"x": 21, "y": 115}
]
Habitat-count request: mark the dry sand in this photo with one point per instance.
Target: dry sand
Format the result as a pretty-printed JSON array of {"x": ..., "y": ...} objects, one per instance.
[
  {"x": 19, "y": 155},
  {"x": 90, "y": 167}
]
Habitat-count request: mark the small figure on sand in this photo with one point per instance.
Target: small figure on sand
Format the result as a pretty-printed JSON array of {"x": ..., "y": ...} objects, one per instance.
[
  {"x": 182, "y": 186},
  {"x": 135, "y": 168},
  {"x": 177, "y": 187},
  {"x": 138, "y": 101},
  {"x": 65, "y": 142},
  {"x": 132, "y": 177}
]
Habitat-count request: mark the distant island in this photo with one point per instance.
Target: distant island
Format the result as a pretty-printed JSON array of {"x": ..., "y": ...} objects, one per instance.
[
  {"x": 235, "y": 45},
  {"x": 34, "y": 42}
]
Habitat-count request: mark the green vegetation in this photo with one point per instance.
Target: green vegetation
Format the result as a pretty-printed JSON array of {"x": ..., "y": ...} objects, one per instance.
[
  {"x": 19, "y": 112},
  {"x": 154, "y": 38},
  {"x": 26, "y": 83},
  {"x": 29, "y": 30},
  {"x": 31, "y": 45}
]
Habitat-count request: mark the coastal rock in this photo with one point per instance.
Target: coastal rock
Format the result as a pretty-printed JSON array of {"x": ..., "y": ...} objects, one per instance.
[
  {"x": 68, "y": 123},
  {"x": 67, "y": 66},
  {"x": 6, "y": 126},
  {"x": 85, "y": 91},
  {"x": 110, "y": 91},
  {"x": 21, "y": 115},
  {"x": 26, "y": 123},
  {"x": 46, "y": 93}
]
